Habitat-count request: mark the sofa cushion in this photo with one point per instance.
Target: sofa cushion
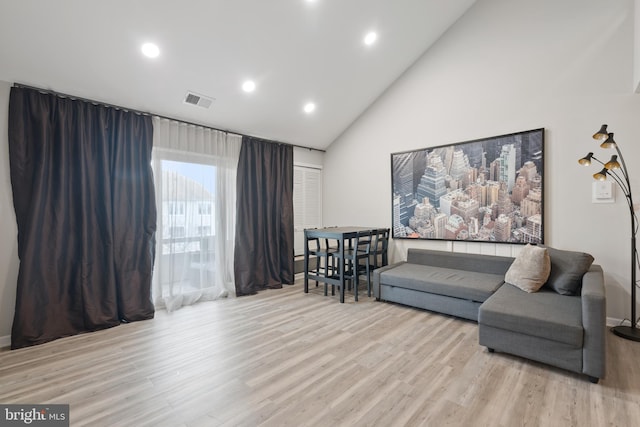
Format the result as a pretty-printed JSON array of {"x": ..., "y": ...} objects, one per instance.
[
  {"x": 567, "y": 269},
  {"x": 491, "y": 264},
  {"x": 443, "y": 281},
  {"x": 543, "y": 314},
  {"x": 530, "y": 269}
]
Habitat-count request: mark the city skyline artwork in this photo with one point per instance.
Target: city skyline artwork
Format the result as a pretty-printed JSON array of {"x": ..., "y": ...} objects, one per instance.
[{"x": 486, "y": 190}]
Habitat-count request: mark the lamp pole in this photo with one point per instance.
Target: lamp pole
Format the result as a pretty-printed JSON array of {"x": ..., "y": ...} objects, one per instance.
[{"x": 628, "y": 332}]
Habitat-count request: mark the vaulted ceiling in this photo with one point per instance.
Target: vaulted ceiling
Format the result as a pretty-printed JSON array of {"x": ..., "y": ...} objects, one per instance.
[{"x": 295, "y": 51}]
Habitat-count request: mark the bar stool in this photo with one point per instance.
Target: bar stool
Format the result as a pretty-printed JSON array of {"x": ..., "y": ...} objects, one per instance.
[
  {"x": 325, "y": 264},
  {"x": 359, "y": 251},
  {"x": 380, "y": 249}
]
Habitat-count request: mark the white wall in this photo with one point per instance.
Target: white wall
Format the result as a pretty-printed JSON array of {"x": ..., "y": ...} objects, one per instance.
[
  {"x": 8, "y": 229},
  {"x": 508, "y": 66},
  {"x": 308, "y": 157},
  {"x": 636, "y": 48}
]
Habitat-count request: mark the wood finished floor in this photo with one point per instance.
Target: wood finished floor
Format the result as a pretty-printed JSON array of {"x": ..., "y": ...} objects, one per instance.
[{"x": 285, "y": 358}]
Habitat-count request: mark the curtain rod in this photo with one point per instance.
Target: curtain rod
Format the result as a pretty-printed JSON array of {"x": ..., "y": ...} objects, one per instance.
[{"x": 146, "y": 113}]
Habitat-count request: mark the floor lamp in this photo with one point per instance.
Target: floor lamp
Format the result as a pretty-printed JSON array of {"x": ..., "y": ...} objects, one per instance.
[{"x": 618, "y": 172}]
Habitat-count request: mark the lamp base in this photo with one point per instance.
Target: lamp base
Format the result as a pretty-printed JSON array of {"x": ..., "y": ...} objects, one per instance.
[{"x": 627, "y": 332}]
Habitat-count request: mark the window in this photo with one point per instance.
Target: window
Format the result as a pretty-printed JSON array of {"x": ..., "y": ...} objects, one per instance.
[
  {"x": 175, "y": 208},
  {"x": 307, "y": 202},
  {"x": 204, "y": 230},
  {"x": 195, "y": 178},
  {"x": 187, "y": 191},
  {"x": 204, "y": 208},
  {"x": 176, "y": 232}
]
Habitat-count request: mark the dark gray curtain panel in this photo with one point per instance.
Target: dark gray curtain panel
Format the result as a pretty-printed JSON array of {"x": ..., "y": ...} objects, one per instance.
[
  {"x": 263, "y": 256},
  {"x": 85, "y": 207}
]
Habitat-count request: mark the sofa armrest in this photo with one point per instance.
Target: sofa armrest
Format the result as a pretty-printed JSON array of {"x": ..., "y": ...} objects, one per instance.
[
  {"x": 376, "y": 276},
  {"x": 594, "y": 322}
]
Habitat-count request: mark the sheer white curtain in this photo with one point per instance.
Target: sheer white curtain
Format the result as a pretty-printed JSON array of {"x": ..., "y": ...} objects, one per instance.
[{"x": 195, "y": 178}]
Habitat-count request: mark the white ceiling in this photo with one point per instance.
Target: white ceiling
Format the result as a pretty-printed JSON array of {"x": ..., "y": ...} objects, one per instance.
[{"x": 295, "y": 51}]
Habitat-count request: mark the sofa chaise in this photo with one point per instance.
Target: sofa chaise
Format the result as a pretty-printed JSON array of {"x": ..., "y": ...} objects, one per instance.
[{"x": 548, "y": 326}]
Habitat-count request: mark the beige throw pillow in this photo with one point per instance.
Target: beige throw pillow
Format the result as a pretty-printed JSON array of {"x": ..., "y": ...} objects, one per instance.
[{"x": 530, "y": 270}]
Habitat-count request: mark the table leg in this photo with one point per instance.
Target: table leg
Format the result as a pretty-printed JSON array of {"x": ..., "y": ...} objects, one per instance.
[
  {"x": 342, "y": 267},
  {"x": 306, "y": 264}
]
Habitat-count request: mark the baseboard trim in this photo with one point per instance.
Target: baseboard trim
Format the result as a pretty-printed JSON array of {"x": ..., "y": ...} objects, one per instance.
[
  {"x": 5, "y": 341},
  {"x": 612, "y": 321}
]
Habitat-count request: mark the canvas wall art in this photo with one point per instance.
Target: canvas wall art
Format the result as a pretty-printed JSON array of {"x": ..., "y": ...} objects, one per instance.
[{"x": 486, "y": 190}]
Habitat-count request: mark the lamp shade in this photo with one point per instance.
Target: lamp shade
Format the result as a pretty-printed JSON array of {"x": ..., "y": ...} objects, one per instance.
[
  {"x": 602, "y": 133},
  {"x": 613, "y": 163},
  {"x": 586, "y": 160},
  {"x": 601, "y": 176},
  {"x": 609, "y": 142}
]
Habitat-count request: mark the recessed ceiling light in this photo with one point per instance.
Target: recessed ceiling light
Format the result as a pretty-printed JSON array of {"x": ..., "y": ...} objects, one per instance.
[
  {"x": 249, "y": 86},
  {"x": 370, "y": 38},
  {"x": 150, "y": 50},
  {"x": 309, "y": 107}
]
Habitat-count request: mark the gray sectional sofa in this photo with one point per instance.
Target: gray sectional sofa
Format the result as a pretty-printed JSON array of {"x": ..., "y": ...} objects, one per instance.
[{"x": 566, "y": 331}]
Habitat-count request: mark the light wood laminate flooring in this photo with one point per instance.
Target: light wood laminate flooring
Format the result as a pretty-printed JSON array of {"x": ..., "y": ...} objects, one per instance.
[{"x": 285, "y": 358}]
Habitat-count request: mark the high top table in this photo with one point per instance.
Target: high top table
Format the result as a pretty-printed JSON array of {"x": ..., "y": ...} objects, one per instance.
[{"x": 343, "y": 235}]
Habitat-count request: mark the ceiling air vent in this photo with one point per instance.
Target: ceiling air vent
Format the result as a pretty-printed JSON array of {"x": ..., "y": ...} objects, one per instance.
[{"x": 198, "y": 100}]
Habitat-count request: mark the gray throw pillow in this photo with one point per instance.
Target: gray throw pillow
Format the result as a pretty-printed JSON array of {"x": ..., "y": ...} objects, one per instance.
[{"x": 567, "y": 269}]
